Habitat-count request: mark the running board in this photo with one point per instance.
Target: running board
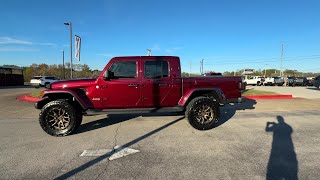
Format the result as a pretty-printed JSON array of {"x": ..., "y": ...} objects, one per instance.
[{"x": 135, "y": 110}]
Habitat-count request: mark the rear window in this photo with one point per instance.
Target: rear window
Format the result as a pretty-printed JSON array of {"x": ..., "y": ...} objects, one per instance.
[
  {"x": 156, "y": 69},
  {"x": 37, "y": 77}
]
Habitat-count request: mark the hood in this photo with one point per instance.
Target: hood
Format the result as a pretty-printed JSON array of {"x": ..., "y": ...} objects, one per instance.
[{"x": 72, "y": 83}]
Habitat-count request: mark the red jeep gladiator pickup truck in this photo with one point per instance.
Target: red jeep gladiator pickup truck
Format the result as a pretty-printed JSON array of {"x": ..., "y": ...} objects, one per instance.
[{"x": 137, "y": 84}]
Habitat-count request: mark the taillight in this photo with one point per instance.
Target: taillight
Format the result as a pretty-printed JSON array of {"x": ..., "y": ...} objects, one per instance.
[{"x": 242, "y": 85}]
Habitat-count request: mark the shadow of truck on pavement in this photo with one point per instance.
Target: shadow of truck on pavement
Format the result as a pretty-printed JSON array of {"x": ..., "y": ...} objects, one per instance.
[
  {"x": 226, "y": 113},
  {"x": 229, "y": 110}
]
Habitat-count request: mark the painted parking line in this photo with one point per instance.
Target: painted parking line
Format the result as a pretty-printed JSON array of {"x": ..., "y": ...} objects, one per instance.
[{"x": 116, "y": 153}]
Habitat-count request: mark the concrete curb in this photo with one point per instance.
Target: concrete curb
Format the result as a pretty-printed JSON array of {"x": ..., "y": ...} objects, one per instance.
[
  {"x": 280, "y": 96},
  {"x": 28, "y": 98}
]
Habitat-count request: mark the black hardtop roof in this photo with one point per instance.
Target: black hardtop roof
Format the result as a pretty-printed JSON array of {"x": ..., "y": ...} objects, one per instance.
[{"x": 145, "y": 57}]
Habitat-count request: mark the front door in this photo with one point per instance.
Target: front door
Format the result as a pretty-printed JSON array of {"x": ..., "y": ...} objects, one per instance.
[{"x": 123, "y": 90}]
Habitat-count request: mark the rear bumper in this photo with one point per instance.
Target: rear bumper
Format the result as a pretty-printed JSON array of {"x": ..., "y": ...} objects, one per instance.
[
  {"x": 35, "y": 84},
  {"x": 235, "y": 100}
]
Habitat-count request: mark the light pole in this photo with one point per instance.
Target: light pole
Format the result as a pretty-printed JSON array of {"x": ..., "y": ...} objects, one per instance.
[
  {"x": 70, "y": 25},
  {"x": 265, "y": 70},
  {"x": 64, "y": 73}
]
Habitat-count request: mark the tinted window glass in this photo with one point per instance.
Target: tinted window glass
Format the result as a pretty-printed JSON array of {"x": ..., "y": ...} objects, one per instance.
[
  {"x": 124, "y": 69},
  {"x": 156, "y": 69}
]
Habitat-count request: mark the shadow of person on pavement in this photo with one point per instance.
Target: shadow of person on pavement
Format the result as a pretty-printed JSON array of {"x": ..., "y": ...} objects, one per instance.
[{"x": 283, "y": 163}]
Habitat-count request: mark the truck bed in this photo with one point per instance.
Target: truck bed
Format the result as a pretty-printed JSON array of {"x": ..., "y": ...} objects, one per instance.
[{"x": 229, "y": 85}]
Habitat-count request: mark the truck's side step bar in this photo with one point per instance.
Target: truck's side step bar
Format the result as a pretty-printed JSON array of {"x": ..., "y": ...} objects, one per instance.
[{"x": 135, "y": 110}]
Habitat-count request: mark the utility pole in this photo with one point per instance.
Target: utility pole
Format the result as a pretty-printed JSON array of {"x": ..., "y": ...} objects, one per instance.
[
  {"x": 148, "y": 52},
  {"x": 281, "y": 73},
  {"x": 265, "y": 70}
]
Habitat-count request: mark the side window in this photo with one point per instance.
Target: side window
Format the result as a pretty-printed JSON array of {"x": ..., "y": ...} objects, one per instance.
[
  {"x": 156, "y": 69},
  {"x": 124, "y": 69}
]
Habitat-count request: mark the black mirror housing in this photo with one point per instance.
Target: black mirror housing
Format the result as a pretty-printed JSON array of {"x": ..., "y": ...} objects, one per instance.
[{"x": 107, "y": 75}]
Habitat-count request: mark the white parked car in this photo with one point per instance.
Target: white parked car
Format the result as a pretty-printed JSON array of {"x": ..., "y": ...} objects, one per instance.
[
  {"x": 254, "y": 80},
  {"x": 43, "y": 80},
  {"x": 268, "y": 81}
]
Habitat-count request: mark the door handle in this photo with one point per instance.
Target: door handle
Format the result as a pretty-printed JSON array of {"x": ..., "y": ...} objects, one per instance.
[
  {"x": 163, "y": 84},
  {"x": 133, "y": 85}
]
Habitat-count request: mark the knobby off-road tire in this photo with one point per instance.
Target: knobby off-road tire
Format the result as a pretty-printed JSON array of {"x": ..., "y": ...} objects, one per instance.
[
  {"x": 59, "y": 118},
  {"x": 202, "y": 113}
]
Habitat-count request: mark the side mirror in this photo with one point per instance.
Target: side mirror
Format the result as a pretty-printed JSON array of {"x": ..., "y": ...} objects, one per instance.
[{"x": 107, "y": 75}]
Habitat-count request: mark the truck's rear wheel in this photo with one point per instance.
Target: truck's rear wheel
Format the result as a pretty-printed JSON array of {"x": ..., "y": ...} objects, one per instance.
[
  {"x": 59, "y": 118},
  {"x": 202, "y": 113}
]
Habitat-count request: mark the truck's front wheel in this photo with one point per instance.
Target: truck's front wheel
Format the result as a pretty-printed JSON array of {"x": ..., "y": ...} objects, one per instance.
[
  {"x": 202, "y": 113},
  {"x": 59, "y": 118}
]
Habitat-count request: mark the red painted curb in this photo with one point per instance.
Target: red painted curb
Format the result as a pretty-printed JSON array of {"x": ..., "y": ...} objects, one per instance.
[
  {"x": 280, "y": 96},
  {"x": 28, "y": 98}
]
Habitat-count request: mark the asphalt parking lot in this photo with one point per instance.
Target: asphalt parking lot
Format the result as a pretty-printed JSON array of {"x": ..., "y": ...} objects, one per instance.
[{"x": 241, "y": 147}]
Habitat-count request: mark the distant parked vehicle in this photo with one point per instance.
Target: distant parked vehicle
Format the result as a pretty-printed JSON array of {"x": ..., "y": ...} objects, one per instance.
[
  {"x": 42, "y": 81},
  {"x": 212, "y": 74},
  {"x": 316, "y": 82},
  {"x": 310, "y": 81},
  {"x": 291, "y": 81},
  {"x": 269, "y": 81},
  {"x": 35, "y": 81},
  {"x": 254, "y": 80},
  {"x": 301, "y": 81},
  {"x": 278, "y": 81}
]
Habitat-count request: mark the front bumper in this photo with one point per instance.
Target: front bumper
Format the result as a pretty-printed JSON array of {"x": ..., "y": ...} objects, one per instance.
[{"x": 41, "y": 103}]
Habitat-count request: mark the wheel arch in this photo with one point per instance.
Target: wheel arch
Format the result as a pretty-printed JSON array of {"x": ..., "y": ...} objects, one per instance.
[
  {"x": 215, "y": 93},
  {"x": 70, "y": 96}
]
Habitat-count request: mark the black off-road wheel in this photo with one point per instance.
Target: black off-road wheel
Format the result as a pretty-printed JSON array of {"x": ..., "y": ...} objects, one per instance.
[
  {"x": 202, "y": 113},
  {"x": 59, "y": 118}
]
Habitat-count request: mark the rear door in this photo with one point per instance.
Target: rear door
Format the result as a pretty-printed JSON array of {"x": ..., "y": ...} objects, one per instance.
[{"x": 157, "y": 84}]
